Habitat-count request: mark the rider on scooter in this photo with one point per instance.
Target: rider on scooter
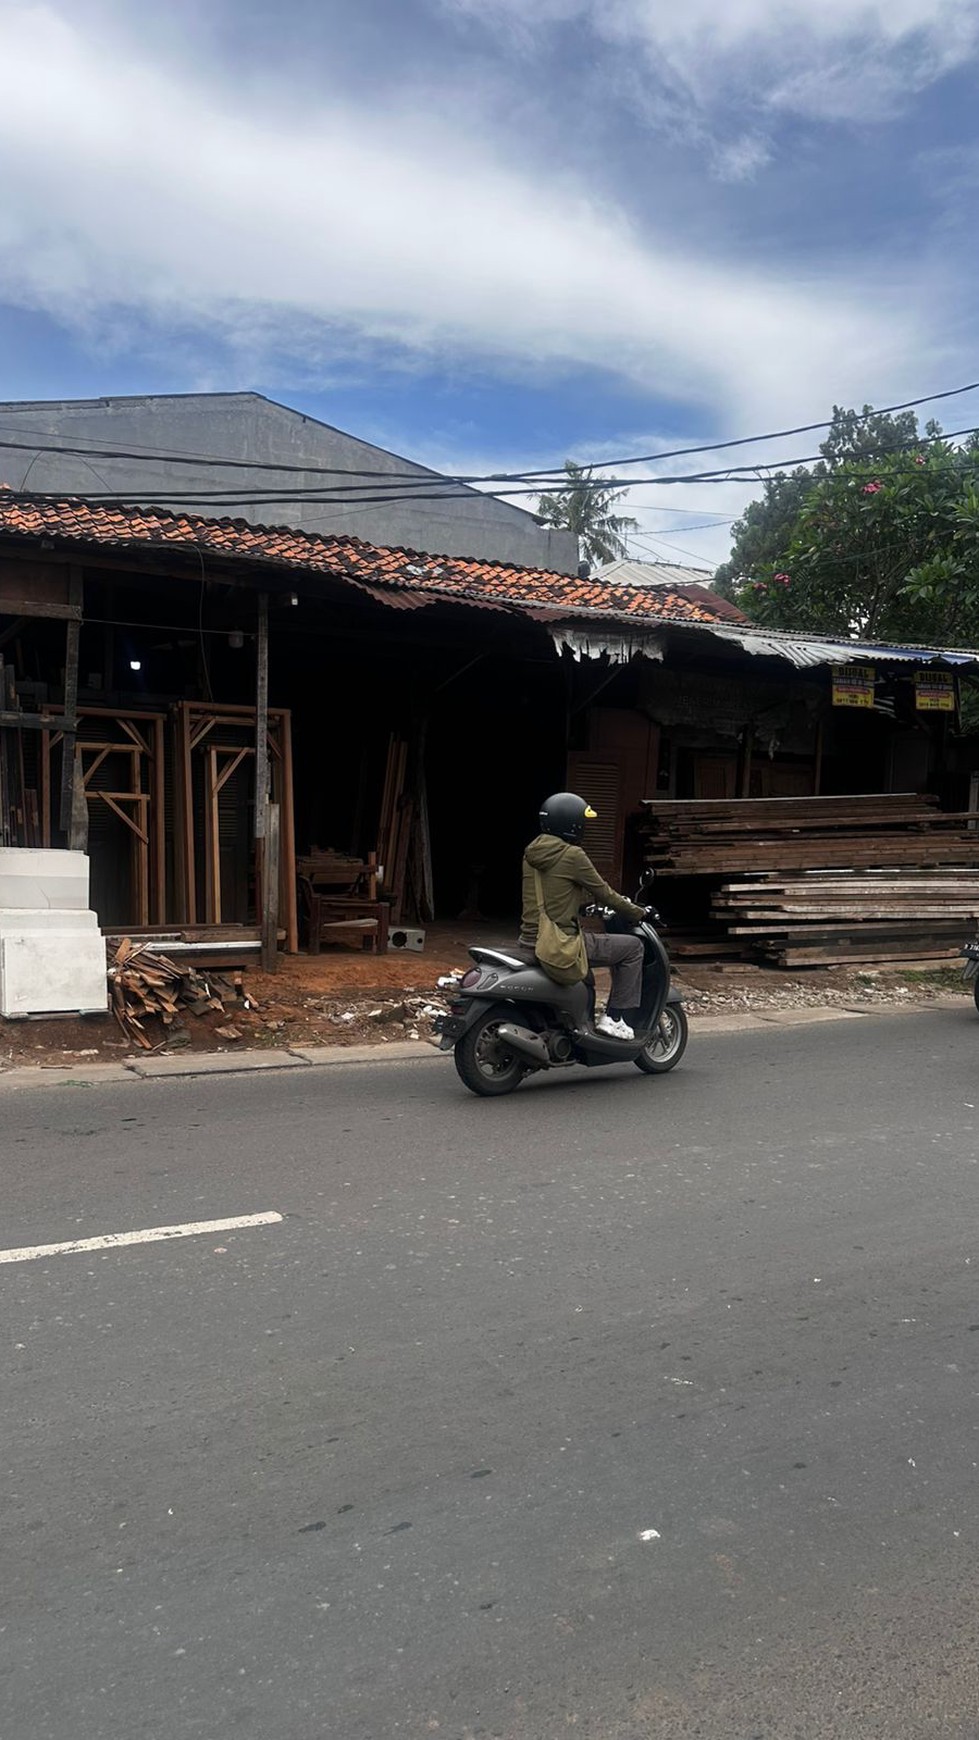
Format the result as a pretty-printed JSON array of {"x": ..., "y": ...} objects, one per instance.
[{"x": 569, "y": 881}]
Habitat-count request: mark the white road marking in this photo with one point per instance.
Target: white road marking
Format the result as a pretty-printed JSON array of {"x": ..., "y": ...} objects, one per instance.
[
  {"x": 650, "y": 1535},
  {"x": 147, "y": 1236}
]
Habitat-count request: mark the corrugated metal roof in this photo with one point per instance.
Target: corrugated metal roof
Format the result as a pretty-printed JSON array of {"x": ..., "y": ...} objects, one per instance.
[
  {"x": 630, "y": 573},
  {"x": 804, "y": 650}
]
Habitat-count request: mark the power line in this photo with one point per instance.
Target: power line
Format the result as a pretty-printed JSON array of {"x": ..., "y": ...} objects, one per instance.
[
  {"x": 774, "y": 435},
  {"x": 431, "y": 477},
  {"x": 284, "y": 498}
]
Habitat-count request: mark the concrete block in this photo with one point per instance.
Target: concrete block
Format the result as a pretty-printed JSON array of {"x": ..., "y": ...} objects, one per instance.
[{"x": 43, "y": 881}]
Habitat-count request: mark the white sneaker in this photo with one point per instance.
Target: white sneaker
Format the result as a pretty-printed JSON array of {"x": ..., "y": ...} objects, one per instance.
[{"x": 614, "y": 1029}]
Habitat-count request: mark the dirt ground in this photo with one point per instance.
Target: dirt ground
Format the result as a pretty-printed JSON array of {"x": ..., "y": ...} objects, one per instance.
[{"x": 345, "y": 998}]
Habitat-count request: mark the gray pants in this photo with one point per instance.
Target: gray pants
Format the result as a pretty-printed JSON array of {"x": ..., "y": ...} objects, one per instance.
[{"x": 623, "y": 954}]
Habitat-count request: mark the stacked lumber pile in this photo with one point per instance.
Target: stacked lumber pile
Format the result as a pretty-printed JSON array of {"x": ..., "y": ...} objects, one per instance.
[
  {"x": 723, "y": 837},
  {"x": 819, "y": 881},
  {"x": 145, "y": 984},
  {"x": 821, "y": 917}
]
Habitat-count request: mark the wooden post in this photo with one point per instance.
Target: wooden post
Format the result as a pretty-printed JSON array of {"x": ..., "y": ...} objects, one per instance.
[
  {"x": 746, "y": 754},
  {"x": 212, "y": 831},
  {"x": 262, "y": 719},
  {"x": 70, "y": 727},
  {"x": 158, "y": 826},
  {"x": 288, "y": 825},
  {"x": 45, "y": 788},
  {"x": 270, "y": 892},
  {"x": 185, "y": 817}
]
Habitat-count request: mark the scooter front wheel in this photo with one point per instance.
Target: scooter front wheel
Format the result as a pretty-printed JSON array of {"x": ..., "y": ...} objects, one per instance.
[
  {"x": 484, "y": 1062},
  {"x": 666, "y": 1044}
]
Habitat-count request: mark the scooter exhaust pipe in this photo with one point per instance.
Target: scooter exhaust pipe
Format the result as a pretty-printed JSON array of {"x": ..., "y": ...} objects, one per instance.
[{"x": 524, "y": 1043}]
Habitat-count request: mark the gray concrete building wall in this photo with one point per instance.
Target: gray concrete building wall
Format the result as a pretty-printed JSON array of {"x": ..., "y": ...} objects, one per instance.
[{"x": 161, "y": 434}]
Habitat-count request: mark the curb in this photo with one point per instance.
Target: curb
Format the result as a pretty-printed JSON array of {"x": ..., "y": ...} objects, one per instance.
[{"x": 186, "y": 1066}]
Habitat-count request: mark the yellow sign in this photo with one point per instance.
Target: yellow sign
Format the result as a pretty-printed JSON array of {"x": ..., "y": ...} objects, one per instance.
[
  {"x": 853, "y": 685},
  {"x": 934, "y": 692}
]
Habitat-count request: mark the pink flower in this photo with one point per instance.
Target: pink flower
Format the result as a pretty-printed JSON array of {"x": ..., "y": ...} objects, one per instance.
[
  {"x": 872, "y": 488},
  {"x": 919, "y": 459},
  {"x": 781, "y": 579}
]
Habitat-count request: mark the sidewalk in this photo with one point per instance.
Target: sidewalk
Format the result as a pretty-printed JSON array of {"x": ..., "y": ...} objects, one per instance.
[{"x": 189, "y": 1065}]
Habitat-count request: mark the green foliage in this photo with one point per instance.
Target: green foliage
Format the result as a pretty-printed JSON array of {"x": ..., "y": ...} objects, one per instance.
[
  {"x": 585, "y": 508},
  {"x": 880, "y": 538}
]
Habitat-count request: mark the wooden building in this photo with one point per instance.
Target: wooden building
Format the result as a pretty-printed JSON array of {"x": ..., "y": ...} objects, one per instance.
[{"x": 178, "y": 690}]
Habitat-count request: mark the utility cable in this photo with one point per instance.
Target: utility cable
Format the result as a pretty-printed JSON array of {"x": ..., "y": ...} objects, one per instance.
[{"x": 466, "y": 479}]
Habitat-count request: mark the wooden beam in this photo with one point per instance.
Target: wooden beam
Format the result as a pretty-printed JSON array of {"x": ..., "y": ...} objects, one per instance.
[
  {"x": 262, "y": 719},
  {"x": 25, "y": 721},
  {"x": 33, "y": 607}
]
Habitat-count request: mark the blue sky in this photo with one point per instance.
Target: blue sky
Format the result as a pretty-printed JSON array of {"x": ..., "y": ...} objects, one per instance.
[{"x": 493, "y": 233}]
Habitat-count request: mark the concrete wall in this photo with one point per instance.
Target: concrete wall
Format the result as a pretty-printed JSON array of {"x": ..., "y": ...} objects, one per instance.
[{"x": 250, "y": 427}]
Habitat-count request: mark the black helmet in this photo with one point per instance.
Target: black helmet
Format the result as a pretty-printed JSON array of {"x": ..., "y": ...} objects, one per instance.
[{"x": 565, "y": 815}]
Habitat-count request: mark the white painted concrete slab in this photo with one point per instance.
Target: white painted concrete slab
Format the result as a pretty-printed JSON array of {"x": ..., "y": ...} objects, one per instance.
[
  {"x": 34, "y": 880},
  {"x": 51, "y": 963}
]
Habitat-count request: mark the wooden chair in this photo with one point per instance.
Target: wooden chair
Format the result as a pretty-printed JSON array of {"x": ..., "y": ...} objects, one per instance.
[{"x": 339, "y": 900}]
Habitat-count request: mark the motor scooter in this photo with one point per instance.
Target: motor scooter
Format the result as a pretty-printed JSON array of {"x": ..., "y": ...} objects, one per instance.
[
  {"x": 508, "y": 1020},
  {"x": 970, "y": 968}
]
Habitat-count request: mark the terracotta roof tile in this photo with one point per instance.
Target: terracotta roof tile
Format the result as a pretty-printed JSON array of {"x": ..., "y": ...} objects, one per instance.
[{"x": 442, "y": 577}]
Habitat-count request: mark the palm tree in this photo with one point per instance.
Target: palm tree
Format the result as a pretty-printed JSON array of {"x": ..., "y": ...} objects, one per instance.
[{"x": 584, "y": 506}]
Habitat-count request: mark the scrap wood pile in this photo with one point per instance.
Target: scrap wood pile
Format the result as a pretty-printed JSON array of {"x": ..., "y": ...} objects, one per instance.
[
  {"x": 144, "y": 984},
  {"x": 824, "y": 881}
]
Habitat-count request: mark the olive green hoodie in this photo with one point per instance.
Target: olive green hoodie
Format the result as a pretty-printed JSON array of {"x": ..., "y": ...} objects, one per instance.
[{"x": 570, "y": 881}]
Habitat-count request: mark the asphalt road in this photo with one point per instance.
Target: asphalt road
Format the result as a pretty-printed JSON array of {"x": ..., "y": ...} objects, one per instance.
[{"x": 392, "y": 1466}]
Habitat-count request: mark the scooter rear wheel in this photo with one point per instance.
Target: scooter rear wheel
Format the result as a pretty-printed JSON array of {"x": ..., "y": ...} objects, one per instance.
[
  {"x": 484, "y": 1062},
  {"x": 667, "y": 1044}
]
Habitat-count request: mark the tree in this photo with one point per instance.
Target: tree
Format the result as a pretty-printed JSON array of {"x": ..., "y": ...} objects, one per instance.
[
  {"x": 584, "y": 507},
  {"x": 760, "y": 537},
  {"x": 880, "y": 538},
  {"x": 883, "y": 548}
]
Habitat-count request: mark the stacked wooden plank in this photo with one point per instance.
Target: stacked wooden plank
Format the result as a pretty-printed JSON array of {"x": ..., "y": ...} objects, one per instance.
[
  {"x": 710, "y": 837},
  {"x": 862, "y": 916},
  {"x": 814, "y": 881}
]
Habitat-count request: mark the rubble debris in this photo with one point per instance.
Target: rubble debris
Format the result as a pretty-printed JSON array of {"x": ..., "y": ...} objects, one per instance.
[{"x": 144, "y": 984}]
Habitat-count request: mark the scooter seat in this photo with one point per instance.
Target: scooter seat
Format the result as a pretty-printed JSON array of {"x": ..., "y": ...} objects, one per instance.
[{"x": 497, "y": 958}]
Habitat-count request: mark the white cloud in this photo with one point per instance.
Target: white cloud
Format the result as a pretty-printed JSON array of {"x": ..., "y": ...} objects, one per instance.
[
  {"x": 132, "y": 188},
  {"x": 828, "y": 59}
]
